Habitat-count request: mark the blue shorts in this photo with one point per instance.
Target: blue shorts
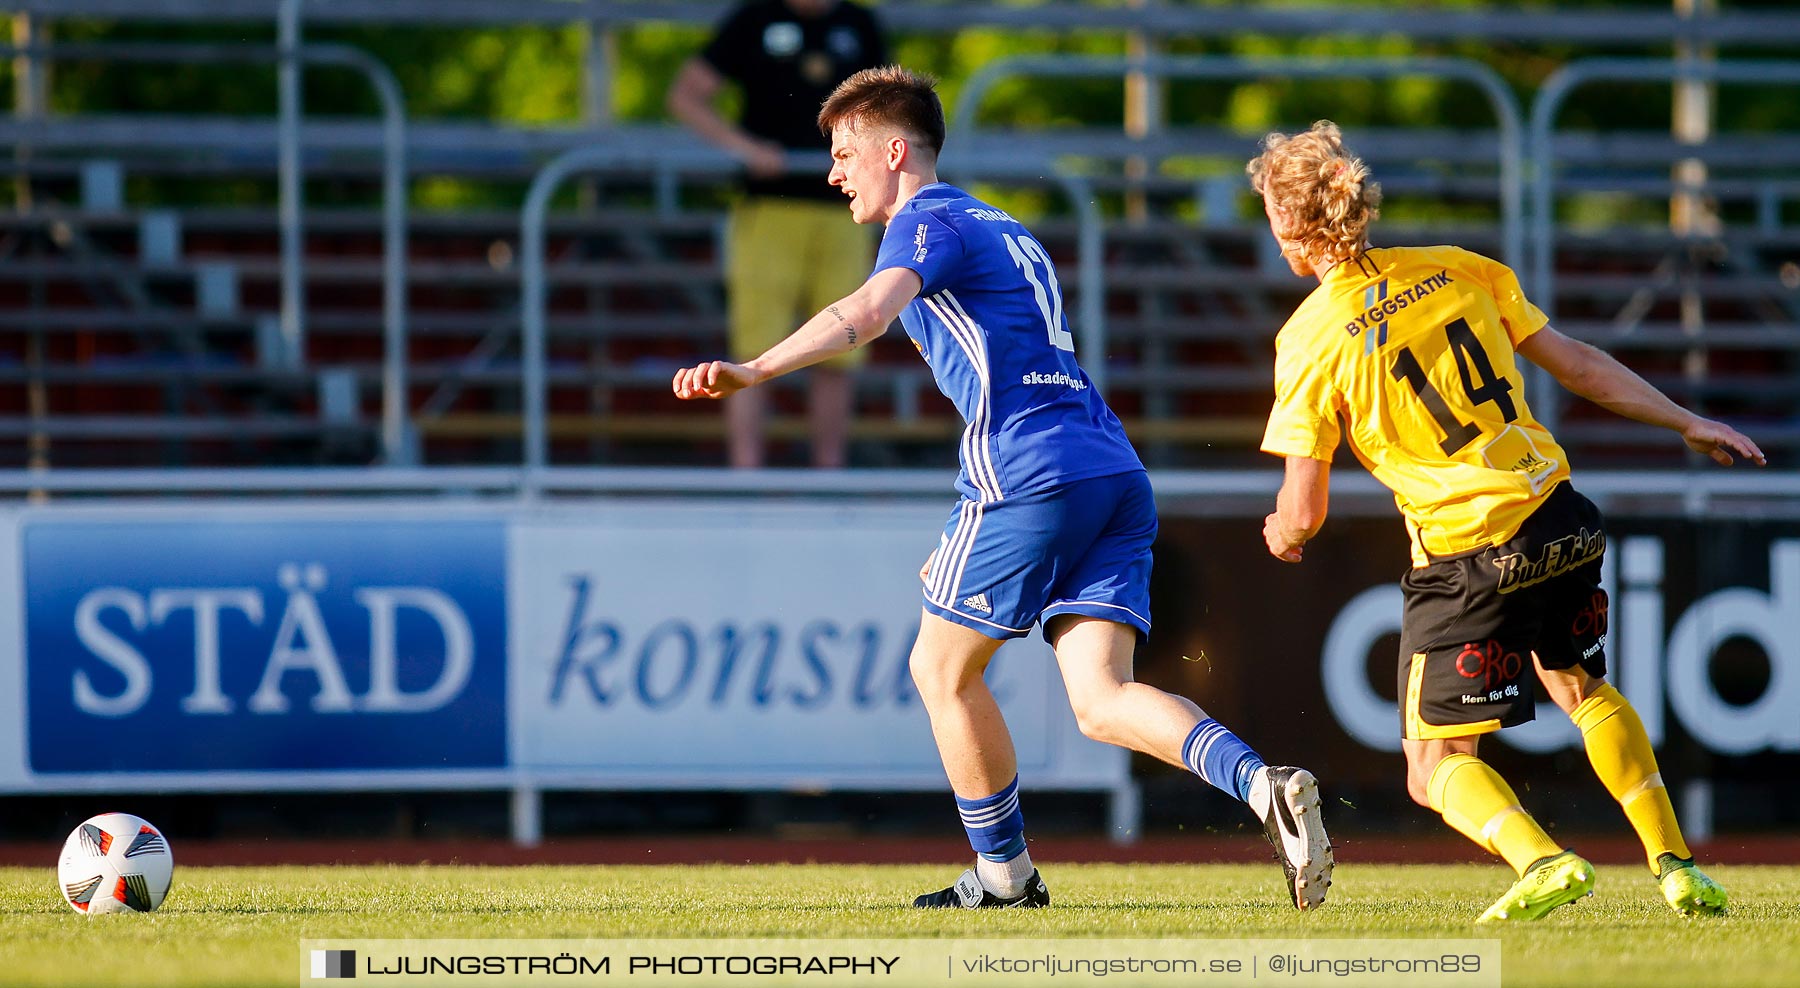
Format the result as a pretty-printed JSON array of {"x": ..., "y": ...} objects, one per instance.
[{"x": 1003, "y": 566}]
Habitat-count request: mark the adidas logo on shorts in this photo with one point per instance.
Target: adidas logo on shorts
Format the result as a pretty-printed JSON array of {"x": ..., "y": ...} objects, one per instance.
[{"x": 978, "y": 602}]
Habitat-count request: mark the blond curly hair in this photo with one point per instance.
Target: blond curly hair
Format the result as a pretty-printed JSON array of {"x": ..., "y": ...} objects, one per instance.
[{"x": 1324, "y": 188}]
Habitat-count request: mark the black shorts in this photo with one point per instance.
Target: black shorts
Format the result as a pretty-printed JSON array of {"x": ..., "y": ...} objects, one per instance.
[{"x": 1473, "y": 621}]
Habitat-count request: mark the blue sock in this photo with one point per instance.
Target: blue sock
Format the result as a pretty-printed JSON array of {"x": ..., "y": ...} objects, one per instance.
[
  {"x": 1216, "y": 755},
  {"x": 995, "y": 824}
]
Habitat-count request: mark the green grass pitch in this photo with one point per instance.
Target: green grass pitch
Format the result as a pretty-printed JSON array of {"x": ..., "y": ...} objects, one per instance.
[{"x": 241, "y": 926}]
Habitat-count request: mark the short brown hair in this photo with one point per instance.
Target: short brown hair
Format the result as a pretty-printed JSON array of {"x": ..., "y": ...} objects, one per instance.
[
  {"x": 1323, "y": 185},
  {"x": 890, "y": 95}
]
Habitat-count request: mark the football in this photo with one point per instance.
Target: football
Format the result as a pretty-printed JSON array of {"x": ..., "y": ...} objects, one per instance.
[{"x": 115, "y": 863}]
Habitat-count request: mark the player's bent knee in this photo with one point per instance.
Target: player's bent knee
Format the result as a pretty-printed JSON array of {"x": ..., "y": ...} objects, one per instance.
[
  {"x": 1094, "y": 725},
  {"x": 1568, "y": 688},
  {"x": 1422, "y": 762},
  {"x": 1097, "y": 717},
  {"x": 929, "y": 678},
  {"x": 1419, "y": 766},
  {"x": 941, "y": 678}
]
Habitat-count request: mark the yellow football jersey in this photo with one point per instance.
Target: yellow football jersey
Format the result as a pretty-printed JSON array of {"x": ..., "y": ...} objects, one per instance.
[{"x": 1414, "y": 347}]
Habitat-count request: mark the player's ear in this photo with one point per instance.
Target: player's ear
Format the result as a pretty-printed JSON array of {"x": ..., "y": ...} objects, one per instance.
[{"x": 897, "y": 151}]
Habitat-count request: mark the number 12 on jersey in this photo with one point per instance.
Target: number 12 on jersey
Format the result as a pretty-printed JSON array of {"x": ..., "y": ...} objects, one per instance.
[{"x": 1028, "y": 254}]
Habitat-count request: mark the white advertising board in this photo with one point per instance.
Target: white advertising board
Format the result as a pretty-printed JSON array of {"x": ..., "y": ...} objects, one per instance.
[{"x": 728, "y": 643}]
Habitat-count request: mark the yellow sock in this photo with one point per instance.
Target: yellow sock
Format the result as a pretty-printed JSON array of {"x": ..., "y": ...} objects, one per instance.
[
  {"x": 1622, "y": 757},
  {"x": 1476, "y": 802}
]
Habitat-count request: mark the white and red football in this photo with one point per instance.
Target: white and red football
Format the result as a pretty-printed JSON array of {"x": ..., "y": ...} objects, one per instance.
[{"x": 115, "y": 863}]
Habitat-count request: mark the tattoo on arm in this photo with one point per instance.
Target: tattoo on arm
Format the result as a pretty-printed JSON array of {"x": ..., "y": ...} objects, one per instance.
[{"x": 849, "y": 329}]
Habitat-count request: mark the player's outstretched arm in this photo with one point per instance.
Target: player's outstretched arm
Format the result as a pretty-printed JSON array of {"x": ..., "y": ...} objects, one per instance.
[
  {"x": 1593, "y": 374},
  {"x": 840, "y": 327},
  {"x": 1299, "y": 508}
]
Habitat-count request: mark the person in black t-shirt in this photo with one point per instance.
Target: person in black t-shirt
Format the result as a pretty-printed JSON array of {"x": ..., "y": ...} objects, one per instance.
[{"x": 792, "y": 248}]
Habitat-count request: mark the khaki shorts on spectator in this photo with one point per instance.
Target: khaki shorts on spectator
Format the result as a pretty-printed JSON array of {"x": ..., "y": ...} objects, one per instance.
[{"x": 786, "y": 260}]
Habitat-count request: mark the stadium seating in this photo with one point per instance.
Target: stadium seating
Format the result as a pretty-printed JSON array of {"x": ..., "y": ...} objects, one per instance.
[{"x": 147, "y": 336}]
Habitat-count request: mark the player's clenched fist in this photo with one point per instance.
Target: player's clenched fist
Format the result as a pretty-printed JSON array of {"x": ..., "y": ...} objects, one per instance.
[
  {"x": 713, "y": 379},
  {"x": 1280, "y": 546}
]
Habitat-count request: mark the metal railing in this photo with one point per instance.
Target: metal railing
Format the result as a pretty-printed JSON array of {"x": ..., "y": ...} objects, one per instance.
[
  {"x": 1224, "y": 67},
  {"x": 658, "y": 161},
  {"x": 1706, "y": 491},
  {"x": 1544, "y": 110},
  {"x": 1748, "y": 28},
  {"x": 393, "y": 198},
  {"x": 1555, "y": 93},
  {"x": 533, "y": 288}
]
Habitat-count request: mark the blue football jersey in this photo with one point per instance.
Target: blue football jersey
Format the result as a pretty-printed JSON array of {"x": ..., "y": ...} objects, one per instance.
[{"x": 989, "y": 320}]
